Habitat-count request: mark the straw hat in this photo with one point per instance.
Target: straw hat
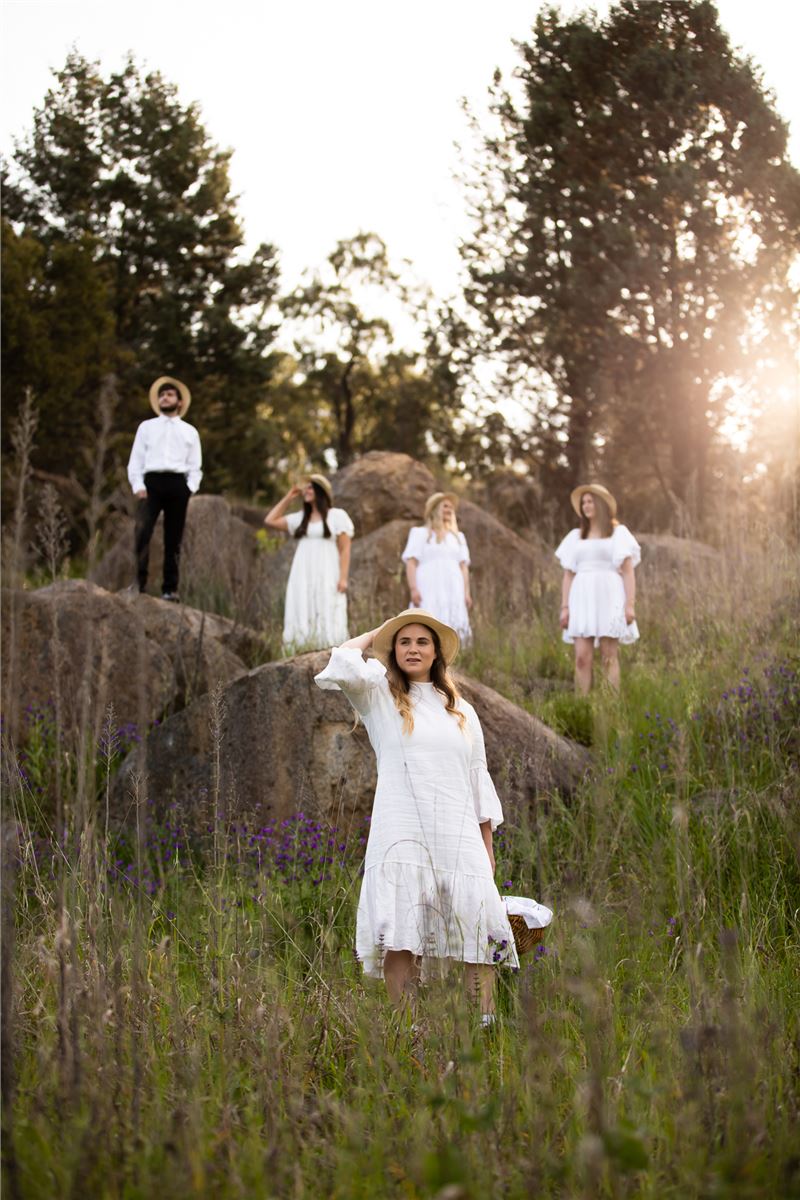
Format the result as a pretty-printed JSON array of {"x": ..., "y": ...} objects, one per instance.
[
  {"x": 180, "y": 388},
  {"x": 382, "y": 643},
  {"x": 324, "y": 483},
  {"x": 596, "y": 489},
  {"x": 437, "y": 498}
]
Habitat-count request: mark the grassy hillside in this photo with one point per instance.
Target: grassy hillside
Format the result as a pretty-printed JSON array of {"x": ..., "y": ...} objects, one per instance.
[{"x": 186, "y": 1017}]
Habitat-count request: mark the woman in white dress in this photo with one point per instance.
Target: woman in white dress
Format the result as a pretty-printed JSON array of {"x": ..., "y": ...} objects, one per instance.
[
  {"x": 598, "y": 592},
  {"x": 437, "y": 565},
  {"x": 315, "y": 615},
  {"x": 428, "y": 890}
]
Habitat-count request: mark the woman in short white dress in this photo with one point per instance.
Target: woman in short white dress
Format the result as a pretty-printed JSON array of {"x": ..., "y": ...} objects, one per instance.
[
  {"x": 437, "y": 565},
  {"x": 428, "y": 890},
  {"x": 315, "y": 614},
  {"x": 598, "y": 592}
]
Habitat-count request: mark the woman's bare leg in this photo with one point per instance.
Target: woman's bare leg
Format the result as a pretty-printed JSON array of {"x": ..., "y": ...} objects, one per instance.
[
  {"x": 609, "y": 654},
  {"x": 480, "y": 985},
  {"x": 584, "y": 654},
  {"x": 401, "y": 972}
]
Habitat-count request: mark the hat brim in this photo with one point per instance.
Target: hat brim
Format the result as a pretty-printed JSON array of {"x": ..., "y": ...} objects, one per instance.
[
  {"x": 181, "y": 388},
  {"x": 596, "y": 490},
  {"x": 437, "y": 498},
  {"x": 384, "y": 638}
]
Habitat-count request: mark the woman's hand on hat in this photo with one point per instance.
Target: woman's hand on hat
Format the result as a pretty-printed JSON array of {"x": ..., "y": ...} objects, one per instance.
[{"x": 362, "y": 642}]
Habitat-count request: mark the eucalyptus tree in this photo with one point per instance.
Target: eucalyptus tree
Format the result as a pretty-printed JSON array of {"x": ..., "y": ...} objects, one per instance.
[
  {"x": 120, "y": 178},
  {"x": 368, "y": 391},
  {"x": 636, "y": 219}
]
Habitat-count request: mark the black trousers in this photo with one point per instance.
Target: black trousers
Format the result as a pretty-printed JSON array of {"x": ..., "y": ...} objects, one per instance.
[{"x": 167, "y": 492}]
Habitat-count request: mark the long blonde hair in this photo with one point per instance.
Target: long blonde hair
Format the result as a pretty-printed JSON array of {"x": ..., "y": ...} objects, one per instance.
[
  {"x": 400, "y": 687},
  {"x": 437, "y": 524}
]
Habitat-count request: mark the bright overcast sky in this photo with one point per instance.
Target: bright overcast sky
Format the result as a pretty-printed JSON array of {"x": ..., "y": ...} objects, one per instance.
[{"x": 342, "y": 116}]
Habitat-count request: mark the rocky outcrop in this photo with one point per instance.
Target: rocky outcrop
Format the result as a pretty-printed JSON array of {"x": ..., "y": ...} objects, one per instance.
[
  {"x": 220, "y": 559},
  {"x": 663, "y": 553},
  {"x": 507, "y": 571},
  {"x": 385, "y": 494},
  {"x": 228, "y": 564},
  {"x": 91, "y": 647},
  {"x": 381, "y": 487},
  {"x": 281, "y": 745},
  {"x": 515, "y": 500}
]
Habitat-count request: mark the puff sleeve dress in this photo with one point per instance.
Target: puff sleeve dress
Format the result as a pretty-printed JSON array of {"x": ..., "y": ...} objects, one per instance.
[
  {"x": 428, "y": 885},
  {"x": 315, "y": 615},
  {"x": 439, "y": 579},
  {"x": 597, "y": 594}
]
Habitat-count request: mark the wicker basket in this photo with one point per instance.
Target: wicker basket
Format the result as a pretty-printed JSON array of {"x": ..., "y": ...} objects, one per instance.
[{"x": 524, "y": 938}]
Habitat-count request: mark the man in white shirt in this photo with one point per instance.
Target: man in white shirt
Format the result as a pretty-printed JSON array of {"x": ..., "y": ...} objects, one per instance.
[{"x": 164, "y": 471}]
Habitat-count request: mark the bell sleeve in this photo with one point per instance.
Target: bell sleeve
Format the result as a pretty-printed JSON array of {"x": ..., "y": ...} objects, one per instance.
[
  {"x": 624, "y": 545},
  {"x": 292, "y": 521},
  {"x": 339, "y": 522},
  {"x": 567, "y": 551},
  {"x": 360, "y": 679},
  {"x": 414, "y": 544},
  {"x": 484, "y": 796}
]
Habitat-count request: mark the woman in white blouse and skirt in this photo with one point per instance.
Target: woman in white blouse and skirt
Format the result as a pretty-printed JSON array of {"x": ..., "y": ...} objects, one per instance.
[
  {"x": 315, "y": 614},
  {"x": 599, "y": 589},
  {"x": 437, "y": 565},
  {"x": 428, "y": 891}
]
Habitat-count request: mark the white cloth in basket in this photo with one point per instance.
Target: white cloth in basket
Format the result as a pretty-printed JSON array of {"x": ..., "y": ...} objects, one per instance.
[{"x": 535, "y": 916}]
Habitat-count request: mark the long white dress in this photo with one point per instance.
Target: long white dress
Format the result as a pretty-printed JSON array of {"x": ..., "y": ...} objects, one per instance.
[
  {"x": 428, "y": 884},
  {"x": 597, "y": 594},
  {"x": 439, "y": 579},
  {"x": 315, "y": 615}
]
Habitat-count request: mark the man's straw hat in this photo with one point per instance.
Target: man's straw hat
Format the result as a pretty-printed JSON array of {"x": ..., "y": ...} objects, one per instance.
[
  {"x": 181, "y": 389},
  {"x": 382, "y": 643},
  {"x": 596, "y": 489}
]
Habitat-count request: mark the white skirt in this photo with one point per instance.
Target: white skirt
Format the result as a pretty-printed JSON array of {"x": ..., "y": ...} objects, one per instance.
[
  {"x": 316, "y": 611},
  {"x": 441, "y": 587},
  {"x": 597, "y": 608}
]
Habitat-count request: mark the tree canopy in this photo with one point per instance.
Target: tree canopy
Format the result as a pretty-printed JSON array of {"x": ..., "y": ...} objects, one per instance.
[
  {"x": 122, "y": 253},
  {"x": 636, "y": 217}
]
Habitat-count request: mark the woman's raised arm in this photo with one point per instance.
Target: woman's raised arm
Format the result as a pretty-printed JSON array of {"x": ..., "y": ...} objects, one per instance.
[{"x": 275, "y": 518}]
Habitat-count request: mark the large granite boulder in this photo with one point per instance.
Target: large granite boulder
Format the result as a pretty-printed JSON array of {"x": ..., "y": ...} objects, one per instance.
[
  {"x": 663, "y": 554},
  {"x": 382, "y": 486},
  {"x": 516, "y": 500},
  {"x": 221, "y": 560},
  {"x": 506, "y": 571},
  {"x": 93, "y": 648},
  {"x": 272, "y": 743}
]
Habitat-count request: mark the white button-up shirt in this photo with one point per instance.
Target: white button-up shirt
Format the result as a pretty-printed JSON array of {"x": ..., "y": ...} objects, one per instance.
[{"x": 165, "y": 444}]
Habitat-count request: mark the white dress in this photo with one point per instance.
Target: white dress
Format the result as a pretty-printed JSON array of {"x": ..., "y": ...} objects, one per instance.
[
  {"x": 428, "y": 885},
  {"x": 439, "y": 579},
  {"x": 315, "y": 616},
  {"x": 597, "y": 595}
]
